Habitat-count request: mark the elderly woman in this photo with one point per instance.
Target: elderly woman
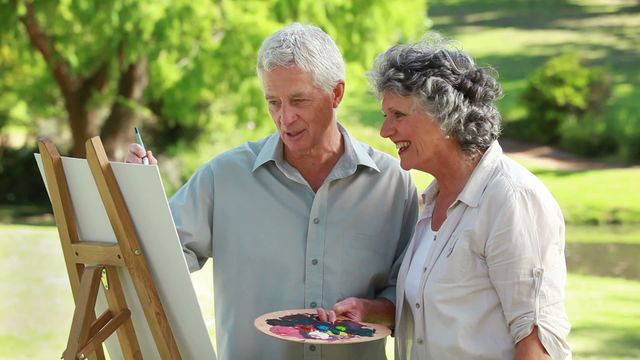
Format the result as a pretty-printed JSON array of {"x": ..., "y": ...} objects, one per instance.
[{"x": 484, "y": 275}]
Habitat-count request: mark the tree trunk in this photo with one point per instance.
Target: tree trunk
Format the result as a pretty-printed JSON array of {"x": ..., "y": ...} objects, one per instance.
[
  {"x": 77, "y": 90},
  {"x": 117, "y": 130},
  {"x": 79, "y": 122}
]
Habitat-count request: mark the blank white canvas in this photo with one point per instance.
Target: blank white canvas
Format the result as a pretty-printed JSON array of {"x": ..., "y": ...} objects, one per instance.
[{"x": 144, "y": 195}]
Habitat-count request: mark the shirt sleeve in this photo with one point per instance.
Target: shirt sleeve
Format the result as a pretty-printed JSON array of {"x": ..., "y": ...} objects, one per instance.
[
  {"x": 409, "y": 219},
  {"x": 192, "y": 211},
  {"x": 525, "y": 256}
]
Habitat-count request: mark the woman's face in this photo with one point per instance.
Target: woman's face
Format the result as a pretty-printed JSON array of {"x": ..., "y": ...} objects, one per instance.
[{"x": 417, "y": 136}]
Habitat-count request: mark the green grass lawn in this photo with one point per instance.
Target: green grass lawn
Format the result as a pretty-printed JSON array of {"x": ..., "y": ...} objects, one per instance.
[
  {"x": 37, "y": 304},
  {"x": 605, "y": 317},
  {"x": 618, "y": 234},
  {"x": 605, "y": 196}
]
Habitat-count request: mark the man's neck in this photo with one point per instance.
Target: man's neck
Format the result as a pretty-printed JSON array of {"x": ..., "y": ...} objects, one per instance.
[{"x": 316, "y": 164}]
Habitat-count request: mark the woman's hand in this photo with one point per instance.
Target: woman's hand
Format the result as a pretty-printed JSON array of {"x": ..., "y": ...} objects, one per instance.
[{"x": 531, "y": 348}]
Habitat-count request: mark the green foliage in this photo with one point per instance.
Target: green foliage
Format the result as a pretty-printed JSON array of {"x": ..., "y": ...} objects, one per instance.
[
  {"x": 201, "y": 55},
  {"x": 362, "y": 28},
  {"x": 626, "y": 128},
  {"x": 566, "y": 96},
  {"x": 24, "y": 81},
  {"x": 590, "y": 136}
]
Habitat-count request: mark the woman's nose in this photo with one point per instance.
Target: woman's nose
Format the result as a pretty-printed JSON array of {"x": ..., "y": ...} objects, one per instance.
[{"x": 386, "y": 130}]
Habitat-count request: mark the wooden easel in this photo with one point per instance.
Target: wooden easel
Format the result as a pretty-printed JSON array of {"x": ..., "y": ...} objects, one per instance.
[{"x": 91, "y": 263}]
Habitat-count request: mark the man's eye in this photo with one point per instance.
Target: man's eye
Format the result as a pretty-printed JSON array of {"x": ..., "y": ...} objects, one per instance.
[{"x": 398, "y": 114}]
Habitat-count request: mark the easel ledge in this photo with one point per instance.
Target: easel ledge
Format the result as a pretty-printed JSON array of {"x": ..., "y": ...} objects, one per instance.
[{"x": 91, "y": 263}]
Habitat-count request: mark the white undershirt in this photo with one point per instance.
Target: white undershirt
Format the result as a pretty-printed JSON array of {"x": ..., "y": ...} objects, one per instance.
[{"x": 412, "y": 290}]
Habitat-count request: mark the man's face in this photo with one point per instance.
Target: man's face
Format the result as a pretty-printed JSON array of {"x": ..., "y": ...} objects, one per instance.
[{"x": 302, "y": 111}]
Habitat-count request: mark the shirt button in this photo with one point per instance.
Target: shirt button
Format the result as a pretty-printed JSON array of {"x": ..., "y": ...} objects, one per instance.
[
  {"x": 424, "y": 269},
  {"x": 313, "y": 304},
  {"x": 316, "y": 220},
  {"x": 419, "y": 341},
  {"x": 417, "y": 306},
  {"x": 314, "y": 262},
  {"x": 312, "y": 347},
  {"x": 537, "y": 272}
]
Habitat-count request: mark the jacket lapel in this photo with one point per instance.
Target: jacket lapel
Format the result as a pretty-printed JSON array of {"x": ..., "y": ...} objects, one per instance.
[{"x": 445, "y": 236}]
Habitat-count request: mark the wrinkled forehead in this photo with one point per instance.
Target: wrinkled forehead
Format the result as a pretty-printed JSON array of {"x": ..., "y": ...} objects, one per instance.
[
  {"x": 287, "y": 82},
  {"x": 391, "y": 100}
]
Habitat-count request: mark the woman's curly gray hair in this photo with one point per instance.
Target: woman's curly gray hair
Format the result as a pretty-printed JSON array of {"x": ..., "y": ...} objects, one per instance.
[{"x": 453, "y": 90}]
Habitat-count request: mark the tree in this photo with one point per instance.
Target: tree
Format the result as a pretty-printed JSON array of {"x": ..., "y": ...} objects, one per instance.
[
  {"x": 98, "y": 56},
  {"x": 178, "y": 67}
]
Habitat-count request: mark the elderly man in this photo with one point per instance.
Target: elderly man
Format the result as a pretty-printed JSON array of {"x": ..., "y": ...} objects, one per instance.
[{"x": 304, "y": 218}]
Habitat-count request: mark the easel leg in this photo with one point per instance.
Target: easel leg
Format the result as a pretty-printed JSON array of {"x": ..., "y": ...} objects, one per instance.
[
  {"x": 84, "y": 314},
  {"x": 117, "y": 304}
]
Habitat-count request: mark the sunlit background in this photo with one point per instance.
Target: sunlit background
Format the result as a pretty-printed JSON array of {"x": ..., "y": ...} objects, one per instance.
[{"x": 184, "y": 72}]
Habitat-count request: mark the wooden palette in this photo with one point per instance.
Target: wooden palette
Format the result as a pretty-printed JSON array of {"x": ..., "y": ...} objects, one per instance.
[{"x": 301, "y": 325}]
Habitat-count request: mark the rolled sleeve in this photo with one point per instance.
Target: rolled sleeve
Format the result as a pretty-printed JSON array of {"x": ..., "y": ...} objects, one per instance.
[{"x": 525, "y": 256}]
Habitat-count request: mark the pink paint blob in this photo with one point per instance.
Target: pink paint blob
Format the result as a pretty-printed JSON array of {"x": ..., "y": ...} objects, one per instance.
[{"x": 286, "y": 331}]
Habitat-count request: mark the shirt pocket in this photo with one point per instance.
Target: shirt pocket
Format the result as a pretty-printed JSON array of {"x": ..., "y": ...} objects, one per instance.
[
  {"x": 365, "y": 261},
  {"x": 458, "y": 262}
]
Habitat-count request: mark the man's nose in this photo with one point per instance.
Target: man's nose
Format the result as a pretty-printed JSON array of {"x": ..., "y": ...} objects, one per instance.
[{"x": 287, "y": 114}]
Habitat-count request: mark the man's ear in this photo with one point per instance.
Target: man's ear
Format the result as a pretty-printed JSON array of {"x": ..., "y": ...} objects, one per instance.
[{"x": 338, "y": 93}]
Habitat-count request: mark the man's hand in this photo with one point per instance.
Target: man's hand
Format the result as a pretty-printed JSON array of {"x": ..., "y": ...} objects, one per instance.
[
  {"x": 380, "y": 311},
  {"x": 136, "y": 154}
]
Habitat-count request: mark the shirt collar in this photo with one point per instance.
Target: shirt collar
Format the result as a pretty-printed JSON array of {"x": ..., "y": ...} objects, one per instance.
[
  {"x": 271, "y": 151},
  {"x": 354, "y": 154},
  {"x": 474, "y": 188}
]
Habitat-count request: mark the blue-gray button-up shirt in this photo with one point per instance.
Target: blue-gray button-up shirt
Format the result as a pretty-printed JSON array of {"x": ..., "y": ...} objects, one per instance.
[{"x": 277, "y": 245}]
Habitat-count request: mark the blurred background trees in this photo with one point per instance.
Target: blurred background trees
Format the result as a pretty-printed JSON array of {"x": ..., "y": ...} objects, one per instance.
[
  {"x": 565, "y": 101},
  {"x": 177, "y": 68},
  {"x": 184, "y": 71}
]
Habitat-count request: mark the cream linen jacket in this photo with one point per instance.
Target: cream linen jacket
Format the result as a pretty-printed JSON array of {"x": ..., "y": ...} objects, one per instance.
[{"x": 495, "y": 269}]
